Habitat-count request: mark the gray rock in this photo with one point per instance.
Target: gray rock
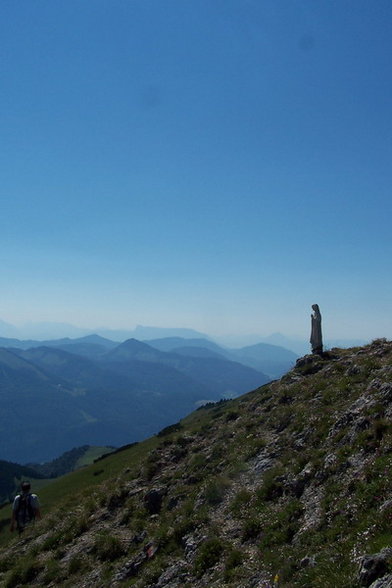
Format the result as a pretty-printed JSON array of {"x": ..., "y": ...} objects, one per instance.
[
  {"x": 375, "y": 566},
  {"x": 130, "y": 568},
  {"x": 308, "y": 560},
  {"x": 353, "y": 370},
  {"x": 386, "y": 391},
  {"x": 264, "y": 461},
  {"x": 386, "y": 505},
  {"x": 153, "y": 500},
  {"x": 175, "y": 575},
  {"x": 385, "y": 582}
]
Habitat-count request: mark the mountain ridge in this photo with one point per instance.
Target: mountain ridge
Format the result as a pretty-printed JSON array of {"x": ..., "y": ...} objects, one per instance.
[
  {"x": 288, "y": 483},
  {"x": 121, "y": 394}
]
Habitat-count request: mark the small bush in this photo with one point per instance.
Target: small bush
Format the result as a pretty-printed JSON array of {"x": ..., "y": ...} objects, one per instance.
[
  {"x": 272, "y": 486},
  {"x": 209, "y": 554},
  {"x": 198, "y": 462},
  {"x": 6, "y": 563},
  {"x": 252, "y": 529},
  {"x": 108, "y": 547},
  {"x": 151, "y": 469},
  {"x": 215, "y": 491},
  {"x": 52, "y": 572},
  {"x": 76, "y": 563},
  {"x": 232, "y": 415},
  {"x": 23, "y": 573},
  {"x": 241, "y": 502},
  {"x": 233, "y": 560},
  {"x": 51, "y": 542},
  {"x": 283, "y": 528}
]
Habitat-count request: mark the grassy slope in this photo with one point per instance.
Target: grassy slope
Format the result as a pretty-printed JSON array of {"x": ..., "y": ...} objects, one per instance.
[
  {"x": 92, "y": 453},
  {"x": 54, "y": 493}
]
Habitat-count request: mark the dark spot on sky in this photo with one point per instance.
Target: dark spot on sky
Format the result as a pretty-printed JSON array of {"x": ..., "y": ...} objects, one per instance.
[
  {"x": 151, "y": 96},
  {"x": 306, "y": 43}
]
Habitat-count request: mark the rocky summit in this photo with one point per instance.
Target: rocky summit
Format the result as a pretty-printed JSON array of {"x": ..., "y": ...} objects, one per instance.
[{"x": 288, "y": 485}]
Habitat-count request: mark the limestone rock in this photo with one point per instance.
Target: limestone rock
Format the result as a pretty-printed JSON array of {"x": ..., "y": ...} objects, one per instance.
[{"x": 375, "y": 566}]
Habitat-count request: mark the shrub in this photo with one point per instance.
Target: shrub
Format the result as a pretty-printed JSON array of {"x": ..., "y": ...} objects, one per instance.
[
  {"x": 108, "y": 547},
  {"x": 6, "y": 563},
  {"x": 283, "y": 528},
  {"x": 198, "y": 462},
  {"x": 272, "y": 486},
  {"x": 209, "y": 554},
  {"x": 182, "y": 529},
  {"x": 52, "y": 572},
  {"x": 241, "y": 501},
  {"x": 23, "y": 573},
  {"x": 232, "y": 415},
  {"x": 76, "y": 563},
  {"x": 252, "y": 529},
  {"x": 234, "y": 559},
  {"x": 51, "y": 542},
  {"x": 215, "y": 491}
]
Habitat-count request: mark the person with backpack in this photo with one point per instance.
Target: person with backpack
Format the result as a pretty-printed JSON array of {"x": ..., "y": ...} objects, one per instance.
[{"x": 25, "y": 508}]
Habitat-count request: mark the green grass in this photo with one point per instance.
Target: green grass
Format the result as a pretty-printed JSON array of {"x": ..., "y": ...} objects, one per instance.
[{"x": 91, "y": 454}]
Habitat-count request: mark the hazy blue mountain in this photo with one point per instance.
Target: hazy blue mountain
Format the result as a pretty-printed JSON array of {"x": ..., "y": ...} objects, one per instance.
[
  {"x": 90, "y": 345},
  {"x": 79, "y": 373},
  {"x": 302, "y": 347},
  {"x": 191, "y": 351},
  {"x": 174, "y": 343},
  {"x": 134, "y": 349},
  {"x": 50, "y": 330},
  {"x": 142, "y": 333},
  {"x": 139, "y": 381},
  {"x": 271, "y": 359},
  {"x": 224, "y": 377},
  {"x": 18, "y": 343},
  {"x": 51, "y": 400},
  {"x": 92, "y": 391},
  {"x": 36, "y": 414},
  {"x": 9, "y": 342},
  {"x": 295, "y": 344}
]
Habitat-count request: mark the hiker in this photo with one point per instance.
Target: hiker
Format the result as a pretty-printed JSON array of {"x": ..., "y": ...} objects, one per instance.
[{"x": 25, "y": 508}]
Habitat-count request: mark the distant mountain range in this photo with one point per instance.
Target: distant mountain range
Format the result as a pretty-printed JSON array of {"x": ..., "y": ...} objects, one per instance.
[
  {"x": 92, "y": 390},
  {"x": 48, "y": 331},
  {"x": 59, "y": 394}
]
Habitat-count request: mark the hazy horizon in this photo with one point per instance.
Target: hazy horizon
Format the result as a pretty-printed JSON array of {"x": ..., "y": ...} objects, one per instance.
[
  {"x": 214, "y": 165},
  {"x": 51, "y": 331}
]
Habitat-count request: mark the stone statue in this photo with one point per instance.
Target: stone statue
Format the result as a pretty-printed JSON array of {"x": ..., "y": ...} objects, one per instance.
[{"x": 316, "y": 339}]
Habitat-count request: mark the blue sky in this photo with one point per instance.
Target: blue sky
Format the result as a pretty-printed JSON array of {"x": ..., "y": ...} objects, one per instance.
[{"x": 220, "y": 165}]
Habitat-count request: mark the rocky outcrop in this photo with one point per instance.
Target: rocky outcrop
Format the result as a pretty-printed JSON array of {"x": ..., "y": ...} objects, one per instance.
[{"x": 376, "y": 566}]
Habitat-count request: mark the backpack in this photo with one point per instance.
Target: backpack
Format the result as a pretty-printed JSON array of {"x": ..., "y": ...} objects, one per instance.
[{"x": 24, "y": 511}]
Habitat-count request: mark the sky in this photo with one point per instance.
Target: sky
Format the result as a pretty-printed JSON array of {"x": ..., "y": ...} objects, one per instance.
[{"x": 212, "y": 164}]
